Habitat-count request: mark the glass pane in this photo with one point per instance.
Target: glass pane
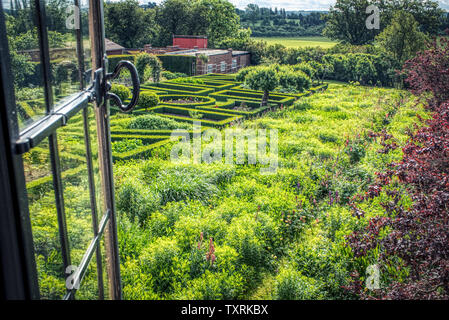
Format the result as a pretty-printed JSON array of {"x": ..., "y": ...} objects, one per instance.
[
  {"x": 25, "y": 60},
  {"x": 62, "y": 19},
  {"x": 77, "y": 201},
  {"x": 44, "y": 222},
  {"x": 84, "y": 27}
]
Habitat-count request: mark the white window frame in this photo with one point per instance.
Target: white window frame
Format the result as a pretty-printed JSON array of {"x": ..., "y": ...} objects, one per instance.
[
  {"x": 234, "y": 63},
  {"x": 223, "y": 66},
  {"x": 210, "y": 68}
]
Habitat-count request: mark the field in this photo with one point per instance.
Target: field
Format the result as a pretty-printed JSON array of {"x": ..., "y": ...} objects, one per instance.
[
  {"x": 300, "y": 42},
  {"x": 227, "y": 231}
]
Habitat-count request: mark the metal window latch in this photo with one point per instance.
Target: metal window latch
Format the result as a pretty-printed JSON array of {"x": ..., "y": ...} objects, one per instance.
[
  {"x": 95, "y": 89},
  {"x": 98, "y": 81}
]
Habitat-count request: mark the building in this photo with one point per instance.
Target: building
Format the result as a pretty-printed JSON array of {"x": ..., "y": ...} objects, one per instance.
[
  {"x": 113, "y": 48},
  {"x": 190, "y": 42},
  {"x": 207, "y": 60},
  {"x": 217, "y": 60}
]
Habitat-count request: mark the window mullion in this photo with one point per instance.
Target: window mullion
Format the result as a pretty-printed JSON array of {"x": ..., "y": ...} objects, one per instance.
[{"x": 52, "y": 139}]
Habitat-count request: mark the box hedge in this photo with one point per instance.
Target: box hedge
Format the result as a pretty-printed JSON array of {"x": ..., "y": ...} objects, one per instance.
[{"x": 179, "y": 63}]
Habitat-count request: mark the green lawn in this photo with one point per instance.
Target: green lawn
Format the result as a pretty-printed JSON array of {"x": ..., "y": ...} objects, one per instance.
[{"x": 300, "y": 42}]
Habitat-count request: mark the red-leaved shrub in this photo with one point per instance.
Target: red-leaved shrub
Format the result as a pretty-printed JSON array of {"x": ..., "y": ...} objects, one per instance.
[
  {"x": 428, "y": 72},
  {"x": 414, "y": 238}
]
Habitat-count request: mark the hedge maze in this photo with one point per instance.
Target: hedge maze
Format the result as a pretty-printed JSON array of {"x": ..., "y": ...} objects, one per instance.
[{"x": 214, "y": 100}]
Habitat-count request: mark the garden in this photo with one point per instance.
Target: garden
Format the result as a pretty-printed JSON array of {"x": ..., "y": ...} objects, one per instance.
[
  {"x": 218, "y": 231},
  {"x": 359, "y": 195}
]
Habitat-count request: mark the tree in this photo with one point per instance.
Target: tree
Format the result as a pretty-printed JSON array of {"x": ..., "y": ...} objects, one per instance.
[
  {"x": 402, "y": 37},
  {"x": 252, "y": 12},
  {"x": 346, "y": 22},
  {"x": 346, "y": 19},
  {"x": 291, "y": 79},
  {"x": 56, "y": 15},
  {"x": 174, "y": 18},
  {"x": 220, "y": 19},
  {"x": 263, "y": 78},
  {"x": 128, "y": 24},
  {"x": 427, "y": 13},
  {"x": 21, "y": 64}
]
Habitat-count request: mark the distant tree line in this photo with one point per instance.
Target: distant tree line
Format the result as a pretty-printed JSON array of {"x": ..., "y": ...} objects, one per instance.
[{"x": 269, "y": 22}]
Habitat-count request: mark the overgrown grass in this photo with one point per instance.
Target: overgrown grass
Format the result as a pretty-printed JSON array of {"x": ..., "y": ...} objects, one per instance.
[
  {"x": 276, "y": 236},
  {"x": 279, "y": 236}
]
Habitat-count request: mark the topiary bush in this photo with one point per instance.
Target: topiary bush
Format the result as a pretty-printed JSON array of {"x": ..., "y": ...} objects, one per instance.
[
  {"x": 241, "y": 74},
  {"x": 148, "y": 100},
  {"x": 121, "y": 91},
  {"x": 155, "y": 122},
  {"x": 306, "y": 68},
  {"x": 145, "y": 60}
]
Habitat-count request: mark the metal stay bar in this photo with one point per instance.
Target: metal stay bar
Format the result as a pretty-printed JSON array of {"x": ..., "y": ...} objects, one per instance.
[
  {"x": 85, "y": 261},
  {"x": 48, "y": 124}
]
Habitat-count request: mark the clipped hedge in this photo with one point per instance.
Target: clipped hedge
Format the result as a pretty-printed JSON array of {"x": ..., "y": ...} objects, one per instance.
[
  {"x": 183, "y": 114},
  {"x": 205, "y": 101},
  {"x": 144, "y": 132},
  {"x": 115, "y": 59},
  {"x": 139, "y": 153},
  {"x": 200, "y": 91},
  {"x": 37, "y": 187},
  {"x": 179, "y": 63},
  {"x": 247, "y": 114},
  {"x": 253, "y": 96},
  {"x": 217, "y": 85}
]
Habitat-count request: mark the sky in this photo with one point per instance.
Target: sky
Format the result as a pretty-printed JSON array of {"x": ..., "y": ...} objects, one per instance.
[{"x": 294, "y": 4}]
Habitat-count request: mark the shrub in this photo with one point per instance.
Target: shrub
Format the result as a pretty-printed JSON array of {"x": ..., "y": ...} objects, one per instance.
[
  {"x": 159, "y": 260},
  {"x": 147, "y": 100},
  {"x": 214, "y": 286},
  {"x": 155, "y": 122},
  {"x": 121, "y": 91},
  {"x": 136, "y": 200},
  {"x": 177, "y": 184},
  {"x": 292, "y": 285},
  {"x": 243, "y": 236}
]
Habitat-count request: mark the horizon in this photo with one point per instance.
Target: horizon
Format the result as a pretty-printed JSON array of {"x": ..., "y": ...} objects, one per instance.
[{"x": 289, "y": 5}]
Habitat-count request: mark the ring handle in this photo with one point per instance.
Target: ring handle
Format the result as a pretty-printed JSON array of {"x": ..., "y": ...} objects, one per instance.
[{"x": 136, "y": 85}]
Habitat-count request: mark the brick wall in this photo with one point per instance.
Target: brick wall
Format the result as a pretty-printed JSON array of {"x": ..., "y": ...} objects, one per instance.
[{"x": 190, "y": 43}]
